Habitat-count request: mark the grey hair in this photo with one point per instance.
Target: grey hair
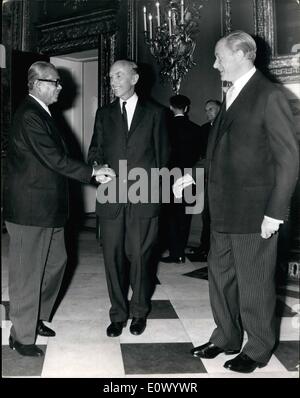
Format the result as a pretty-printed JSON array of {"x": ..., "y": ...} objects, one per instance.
[
  {"x": 130, "y": 64},
  {"x": 239, "y": 40},
  {"x": 39, "y": 70}
]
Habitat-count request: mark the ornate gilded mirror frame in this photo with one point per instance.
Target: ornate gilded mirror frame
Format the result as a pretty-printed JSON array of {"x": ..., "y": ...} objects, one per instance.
[
  {"x": 94, "y": 30},
  {"x": 286, "y": 68}
]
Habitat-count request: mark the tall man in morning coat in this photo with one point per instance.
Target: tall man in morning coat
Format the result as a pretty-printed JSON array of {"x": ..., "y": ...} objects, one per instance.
[
  {"x": 132, "y": 131},
  {"x": 253, "y": 160}
]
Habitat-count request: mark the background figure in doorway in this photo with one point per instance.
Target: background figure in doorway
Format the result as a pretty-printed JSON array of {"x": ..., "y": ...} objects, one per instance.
[
  {"x": 212, "y": 108},
  {"x": 36, "y": 205},
  {"x": 132, "y": 130},
  {"x": 186, "y": 146}
]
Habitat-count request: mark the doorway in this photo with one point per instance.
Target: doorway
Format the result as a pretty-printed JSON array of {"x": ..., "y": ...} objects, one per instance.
[{"x": 78, "y": 104}]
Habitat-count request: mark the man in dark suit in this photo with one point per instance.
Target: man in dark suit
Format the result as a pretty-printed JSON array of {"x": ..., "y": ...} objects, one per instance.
[
  {"x": 253, "y": 160},
  {"x": 128, "y": 133},
  {"x": 185, "y": 143},
  {"x": 36, "y": 209},
  {"x": 212, "y": 108}
]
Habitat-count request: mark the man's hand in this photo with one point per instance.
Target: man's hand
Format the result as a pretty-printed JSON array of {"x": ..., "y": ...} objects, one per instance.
[
  {"x": 103, "y": 174},
  {"x": 182, "y": 183},
  {"x": 268, "y": 228}
]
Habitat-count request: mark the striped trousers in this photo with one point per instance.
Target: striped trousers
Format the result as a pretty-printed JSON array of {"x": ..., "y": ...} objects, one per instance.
[{"x": 241, "y": 274}]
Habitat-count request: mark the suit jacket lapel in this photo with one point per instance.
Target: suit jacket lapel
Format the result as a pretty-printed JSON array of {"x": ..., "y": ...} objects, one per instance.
[
  {"x": 234, "y": 110},
  {"x": 116, "y": 114},
  {"x": 137, "y": 116}
]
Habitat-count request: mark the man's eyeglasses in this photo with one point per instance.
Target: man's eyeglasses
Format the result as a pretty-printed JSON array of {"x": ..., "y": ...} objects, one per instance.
[{"x": 57, "y": 82}]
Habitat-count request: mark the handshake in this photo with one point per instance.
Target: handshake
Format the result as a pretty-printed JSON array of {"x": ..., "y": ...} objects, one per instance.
[{"x": 103, "y": 173}]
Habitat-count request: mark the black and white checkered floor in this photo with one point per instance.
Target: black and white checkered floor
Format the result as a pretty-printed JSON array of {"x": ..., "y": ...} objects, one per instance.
[{"x": 180, "y": 319}]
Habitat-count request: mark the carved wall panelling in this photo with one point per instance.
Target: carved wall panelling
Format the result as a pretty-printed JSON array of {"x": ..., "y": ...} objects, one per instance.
[
  {"x": 226, "y": 12},
  {"x": 54, "y": 10},
  {"x": 12, "y": 18},
  {"x": 226, "y": 29},
  {"x": 132, "y": 23},
  {"x": 106, "y": 50},
  {"x": 26, "y": 26},
  {"x": 94, "y": 30},
  {"x": 77, "y": 33},
  {"x": 14, "y": 11}
]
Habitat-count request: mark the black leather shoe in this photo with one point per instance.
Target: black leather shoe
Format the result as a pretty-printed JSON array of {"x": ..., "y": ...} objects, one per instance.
[
  {"x": 27, "y": 350},
  {"x": 171, "y": 259},
  {"x": 43, "y": 330},
  {"x": 209, "y": 350},
  {"x": 243, "y": 364},
  {"x": 138, "y": 325},
  {"x": 201, "y": 257},
  {"x": 115, "y": 329}
]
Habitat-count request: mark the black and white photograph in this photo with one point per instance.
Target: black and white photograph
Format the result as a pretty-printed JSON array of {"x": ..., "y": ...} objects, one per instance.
[{"x": 150, "y": 193}]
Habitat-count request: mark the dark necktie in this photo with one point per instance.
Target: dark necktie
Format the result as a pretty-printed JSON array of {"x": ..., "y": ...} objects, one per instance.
[{"x": 124, "y": 117}]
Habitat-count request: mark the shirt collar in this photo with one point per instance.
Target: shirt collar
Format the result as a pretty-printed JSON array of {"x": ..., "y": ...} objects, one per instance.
[
  {"x": 41, "y": 103},
  {"x": 241, "y": 81},
  {"x": 131, "y": 101}
]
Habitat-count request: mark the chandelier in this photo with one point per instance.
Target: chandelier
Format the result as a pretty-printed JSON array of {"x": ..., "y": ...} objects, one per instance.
[{"x": 171, "y": 38}]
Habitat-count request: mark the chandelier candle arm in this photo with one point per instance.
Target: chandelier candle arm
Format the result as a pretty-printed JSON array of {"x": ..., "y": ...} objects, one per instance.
[
  {"x": 174, "y": 19},
  {"x": 150, "y": 26},
  {"x": 170, "y": 22},
  {"x": 145, "y": 19},
  {"x": 158, "y": 14}
]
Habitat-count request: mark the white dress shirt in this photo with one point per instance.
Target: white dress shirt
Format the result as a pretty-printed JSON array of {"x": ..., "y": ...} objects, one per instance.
[
  {"x": 130, "y": 107},
  {"x": 237, "y": 86}
]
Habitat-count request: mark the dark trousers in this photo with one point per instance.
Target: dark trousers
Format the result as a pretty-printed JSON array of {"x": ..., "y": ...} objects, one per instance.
[
  {"x": 37, "y": 260},
  {"x": 129, "y": 248},
  {"x": 241, "y": 270},
  {"x": 178, "y": 227}
]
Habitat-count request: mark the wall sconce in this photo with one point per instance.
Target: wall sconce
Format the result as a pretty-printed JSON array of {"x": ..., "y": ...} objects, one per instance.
[{"x": 171, "y": 38}]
